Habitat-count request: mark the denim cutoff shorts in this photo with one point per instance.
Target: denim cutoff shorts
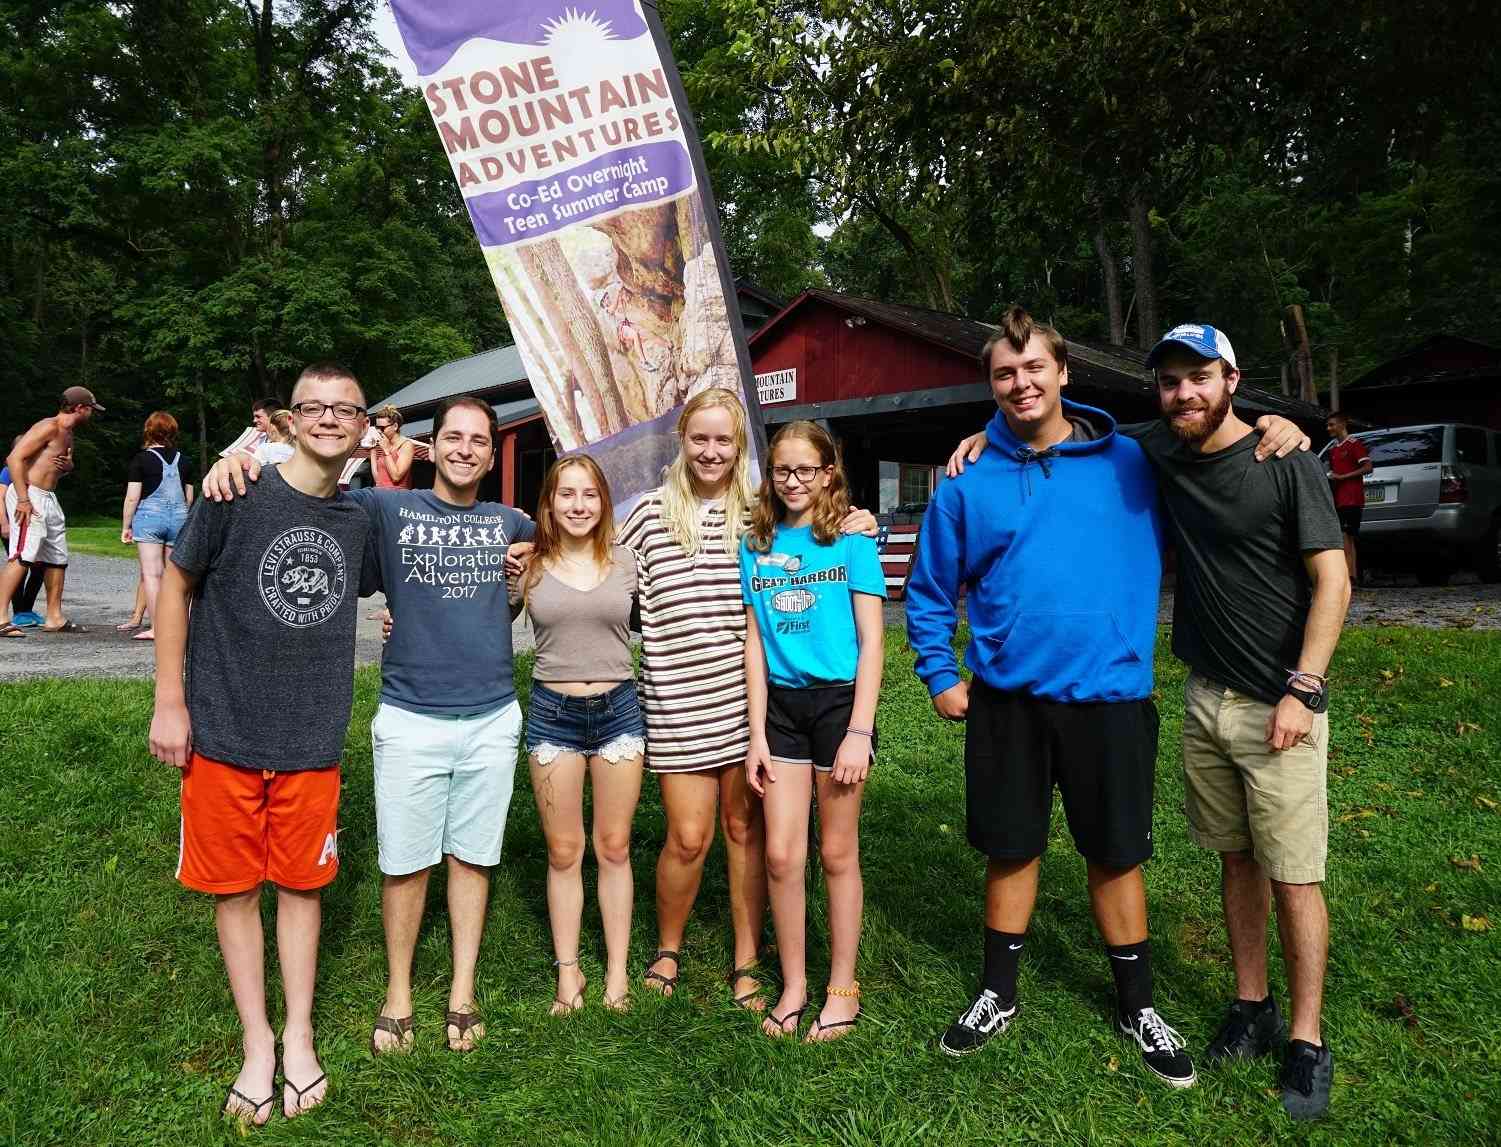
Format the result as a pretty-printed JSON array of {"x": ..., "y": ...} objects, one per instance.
[
  {"x": 606, "y": 725},
  {"x": 159, "y": 524}
]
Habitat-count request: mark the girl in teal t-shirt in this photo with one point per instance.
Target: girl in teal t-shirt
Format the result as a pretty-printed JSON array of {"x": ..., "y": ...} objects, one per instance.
[{"x": 813, "y": 653}]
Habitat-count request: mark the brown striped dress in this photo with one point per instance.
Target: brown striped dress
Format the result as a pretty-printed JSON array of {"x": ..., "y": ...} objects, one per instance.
[{"x": 692, "y": 643}]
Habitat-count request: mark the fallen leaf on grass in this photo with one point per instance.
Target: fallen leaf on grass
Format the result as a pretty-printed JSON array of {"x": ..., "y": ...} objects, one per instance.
[
  {"x": 1475, "y": 923},
  {"x": 1357, "y": 814},
  {"x": 1431, "y": 887},
  {"x": 1472, "y": 863},
  {"x": 1405, "y": 1010},
  {"x": 1113, "y": 1064},
  {"x": 1484, "y": 801},
  {"x": 1465, "y": 728},
  {"x": 1444, "y": 683}
]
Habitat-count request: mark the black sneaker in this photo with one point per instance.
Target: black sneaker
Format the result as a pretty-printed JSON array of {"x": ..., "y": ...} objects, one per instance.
[
  {"x": 985, "y": 1017},
  {"x": 1161, "y": 1047},
  {"x": 1307, "y": 1072},
  {"x": 1249, "y": 1032}
]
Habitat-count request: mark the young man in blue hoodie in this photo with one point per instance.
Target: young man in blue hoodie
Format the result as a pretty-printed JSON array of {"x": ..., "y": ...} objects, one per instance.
[{"x": 1056, "y": 534}]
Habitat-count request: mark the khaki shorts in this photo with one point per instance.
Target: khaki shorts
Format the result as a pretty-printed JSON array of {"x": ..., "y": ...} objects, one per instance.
[{"x": 1243, "y": 797}]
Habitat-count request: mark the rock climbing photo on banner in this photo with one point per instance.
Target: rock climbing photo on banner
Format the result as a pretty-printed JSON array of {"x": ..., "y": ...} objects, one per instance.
[{"x": 567, "y": 130}]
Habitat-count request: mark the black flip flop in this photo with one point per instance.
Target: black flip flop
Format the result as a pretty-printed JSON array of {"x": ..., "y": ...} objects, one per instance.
[
  {"x": 820, "y": 1026},
  {"x": 670, "y": 983},
  {"x": 400, "y": 1028},
  {"x": 298, "y": 1109},
  {"x": 66, "y": 627},
  {"x": 247, "y": 1116},
  {"x": 781, "y": 1024}
]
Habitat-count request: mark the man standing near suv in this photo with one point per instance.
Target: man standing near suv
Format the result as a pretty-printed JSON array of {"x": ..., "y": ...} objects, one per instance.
[
  {"x": 1349, "y": 463},
  {"x": 1261, "y": 596}
]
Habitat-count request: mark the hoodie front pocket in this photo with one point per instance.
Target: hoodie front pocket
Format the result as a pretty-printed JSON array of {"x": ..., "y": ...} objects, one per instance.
[{"x": 1071, "y": 656}]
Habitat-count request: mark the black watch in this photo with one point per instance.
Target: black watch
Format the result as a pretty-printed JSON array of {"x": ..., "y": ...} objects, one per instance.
[{"x": 1317, "y": 700}]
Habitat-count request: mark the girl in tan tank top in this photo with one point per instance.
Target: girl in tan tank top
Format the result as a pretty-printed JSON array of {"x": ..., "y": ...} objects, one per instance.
[{"x": 583, "y": 718}]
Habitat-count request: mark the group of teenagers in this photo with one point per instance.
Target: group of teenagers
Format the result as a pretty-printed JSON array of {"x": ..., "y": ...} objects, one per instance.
[{"x": 760, "y": 614}]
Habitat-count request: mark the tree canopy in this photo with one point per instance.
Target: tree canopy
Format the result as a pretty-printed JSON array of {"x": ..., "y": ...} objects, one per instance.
[{"x": 204, "y": 196}]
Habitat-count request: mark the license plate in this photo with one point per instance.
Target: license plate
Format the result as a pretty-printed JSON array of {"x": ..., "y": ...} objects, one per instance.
[{"x": 1375, "y": 494}]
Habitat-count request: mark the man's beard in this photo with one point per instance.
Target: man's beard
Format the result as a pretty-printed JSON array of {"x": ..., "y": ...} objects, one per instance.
[{"x": 1214, "y": 416}]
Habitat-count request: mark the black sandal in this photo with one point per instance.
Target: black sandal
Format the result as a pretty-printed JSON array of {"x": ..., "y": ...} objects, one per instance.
[
  {"x": 746, "y": 972},
  {"x": 850, "y": 993},
  {"x": 781, "y": 1024},
  {"x": 255, "y": 1108},
  {"x": 669, "y": 983},
  {"x": 298, "y": 1109},
  {"x": 463, "y": 1021},
  {"x": 400, "y": 1028}
]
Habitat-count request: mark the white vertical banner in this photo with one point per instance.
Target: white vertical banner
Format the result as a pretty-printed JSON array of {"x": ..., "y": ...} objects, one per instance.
[{"x": 567, "y": 132}]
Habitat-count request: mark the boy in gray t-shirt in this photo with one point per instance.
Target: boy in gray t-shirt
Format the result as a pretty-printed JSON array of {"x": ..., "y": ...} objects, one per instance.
[{"x": 257, "y": 722}]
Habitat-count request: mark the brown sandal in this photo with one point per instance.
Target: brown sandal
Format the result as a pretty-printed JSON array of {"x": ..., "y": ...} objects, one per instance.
[
  {"x": 463, "y": 1021},
  {"x": 400, "y": 1028}
]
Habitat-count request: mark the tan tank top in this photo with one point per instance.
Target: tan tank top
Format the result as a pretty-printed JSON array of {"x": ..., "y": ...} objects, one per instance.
[{"x": 584, "y": 636}]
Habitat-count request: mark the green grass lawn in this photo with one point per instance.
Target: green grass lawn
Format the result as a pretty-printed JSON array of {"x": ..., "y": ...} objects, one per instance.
[
  {"x": 118, "y": 1026},
  {"x": 98, "y": 534}
]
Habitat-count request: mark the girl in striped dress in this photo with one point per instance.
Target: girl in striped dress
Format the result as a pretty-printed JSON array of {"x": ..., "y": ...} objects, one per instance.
[{"x": 687, "y": 537}]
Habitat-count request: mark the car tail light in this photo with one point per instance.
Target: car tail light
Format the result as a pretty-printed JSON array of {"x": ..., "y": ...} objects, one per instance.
[{"x": 1453, "y": 487}]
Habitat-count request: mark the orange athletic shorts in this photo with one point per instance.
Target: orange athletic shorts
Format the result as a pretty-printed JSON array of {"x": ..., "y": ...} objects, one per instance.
[{"x": 242, "y": 827}]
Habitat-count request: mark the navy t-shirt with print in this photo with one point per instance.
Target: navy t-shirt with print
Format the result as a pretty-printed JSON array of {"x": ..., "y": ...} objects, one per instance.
[
  {"x": 443, "y": 569},
  {"x": 801, "y": 591}
]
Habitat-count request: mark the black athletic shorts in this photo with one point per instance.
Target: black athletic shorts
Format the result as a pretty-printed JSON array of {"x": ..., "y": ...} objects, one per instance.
[
  {"x": 1101, "y": 755},
  {"x": 1349, "y": 518},
  {"x": 805, "y": 726}
]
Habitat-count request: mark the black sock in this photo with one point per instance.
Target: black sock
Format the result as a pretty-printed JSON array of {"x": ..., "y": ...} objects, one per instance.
[
  {"x": 1003, "y": 952},
  {"x": 1131, "y": 964},
  {"x": 1256, "y": 1005}
]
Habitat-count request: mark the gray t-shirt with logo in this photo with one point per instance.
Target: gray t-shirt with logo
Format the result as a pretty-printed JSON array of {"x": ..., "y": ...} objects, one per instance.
[
  {"x": 270, "y": 663},
  {"x": 443, "y": 569}
]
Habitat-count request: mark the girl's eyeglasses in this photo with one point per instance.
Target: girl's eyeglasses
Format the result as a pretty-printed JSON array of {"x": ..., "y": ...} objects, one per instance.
[{"x": 782, "y": 475}]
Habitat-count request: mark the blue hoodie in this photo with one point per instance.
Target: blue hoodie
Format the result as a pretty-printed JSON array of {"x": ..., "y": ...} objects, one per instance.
[{"x": 1061, "y": 553}]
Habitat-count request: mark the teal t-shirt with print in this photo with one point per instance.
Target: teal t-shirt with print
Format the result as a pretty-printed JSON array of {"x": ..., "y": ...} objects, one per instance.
[{"x": 802, "y": 592}]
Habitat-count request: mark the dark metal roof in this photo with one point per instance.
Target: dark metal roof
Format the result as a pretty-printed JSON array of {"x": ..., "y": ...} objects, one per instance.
[
  {"x": 477, "y": 373},
  {"x": 760, "y": 294},
  {"x": 1413, "y": 367}
]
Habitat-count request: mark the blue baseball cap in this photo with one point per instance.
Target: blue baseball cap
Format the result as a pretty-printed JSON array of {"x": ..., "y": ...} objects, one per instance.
[{"x": 1203, "y": 340}]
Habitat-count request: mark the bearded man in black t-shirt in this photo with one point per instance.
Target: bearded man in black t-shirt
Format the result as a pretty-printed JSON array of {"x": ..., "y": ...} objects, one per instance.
[{"x": 1261, "y": 596}]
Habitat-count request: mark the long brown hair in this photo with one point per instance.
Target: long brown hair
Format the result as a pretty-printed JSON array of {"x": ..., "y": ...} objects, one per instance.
[
  {"x": 832, "y": 502},
  {"x": 161, "y": 429},
  {"x": 549, "y": 539}
]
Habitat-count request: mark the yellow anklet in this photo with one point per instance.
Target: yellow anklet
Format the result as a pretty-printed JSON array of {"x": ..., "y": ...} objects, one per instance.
[{"x": 852, "y": 992}]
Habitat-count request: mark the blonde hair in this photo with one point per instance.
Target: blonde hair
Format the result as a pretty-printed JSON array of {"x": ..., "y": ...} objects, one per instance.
[
  {"x": 833, "y": 501},
  {"x": 281, "y": 422},
  {"x": 679, "y": 509},
  {"x": 549, "y": 539}
]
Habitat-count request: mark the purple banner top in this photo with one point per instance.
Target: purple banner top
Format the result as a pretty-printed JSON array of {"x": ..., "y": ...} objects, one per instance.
[
  {"x": 629, "y": 177},
  {"x": 433, "y": 30}
]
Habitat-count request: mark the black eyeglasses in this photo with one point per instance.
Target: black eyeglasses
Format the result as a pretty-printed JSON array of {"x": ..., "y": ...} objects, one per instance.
[
  {"x": 804, "y": 474},
  {"x": 343, "y": 411}
]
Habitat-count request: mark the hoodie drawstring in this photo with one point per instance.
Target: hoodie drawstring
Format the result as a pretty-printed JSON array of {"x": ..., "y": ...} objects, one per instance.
[{"x": 1025, "y": 454}]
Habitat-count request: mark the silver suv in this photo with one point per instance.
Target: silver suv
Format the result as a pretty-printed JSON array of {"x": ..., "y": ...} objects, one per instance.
[{"x": 1433, "y": 500}]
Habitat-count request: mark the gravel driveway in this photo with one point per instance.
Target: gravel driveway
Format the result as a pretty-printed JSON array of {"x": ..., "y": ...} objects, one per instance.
[
  {"x": 100, "y": 591},
  {"x": 98, "y": 595}
]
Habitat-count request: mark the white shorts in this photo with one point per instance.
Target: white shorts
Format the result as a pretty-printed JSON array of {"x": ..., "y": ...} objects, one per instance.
[
  {"x": 442, "y": 785},
  {"x": 45, "y": 538}
]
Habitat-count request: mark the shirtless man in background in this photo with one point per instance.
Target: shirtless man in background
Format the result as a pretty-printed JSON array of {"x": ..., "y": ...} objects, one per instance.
[{"x": 38, "y": 530}]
